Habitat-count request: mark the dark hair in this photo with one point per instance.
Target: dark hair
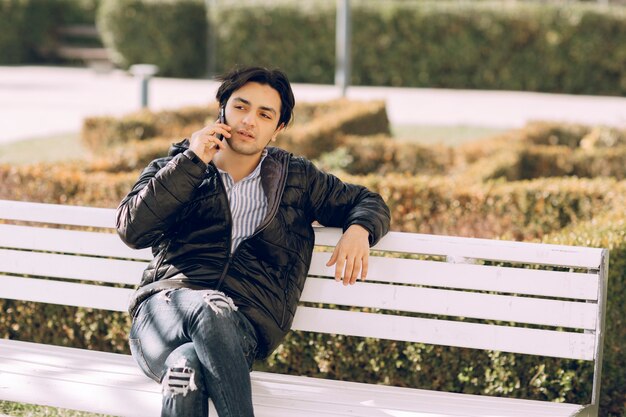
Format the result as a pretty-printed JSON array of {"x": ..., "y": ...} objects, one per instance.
[{"x": 275, "y": 78}]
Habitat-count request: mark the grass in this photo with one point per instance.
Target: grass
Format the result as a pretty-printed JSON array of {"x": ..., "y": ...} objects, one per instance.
[
  {"x": 54, "y": 148},
  {"x": 29, "y": 410},
  {"x": 444, "y": 135}
]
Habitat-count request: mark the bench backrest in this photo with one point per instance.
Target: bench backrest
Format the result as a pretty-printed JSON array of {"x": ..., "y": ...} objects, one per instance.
[{"x": 522, "y": 297}]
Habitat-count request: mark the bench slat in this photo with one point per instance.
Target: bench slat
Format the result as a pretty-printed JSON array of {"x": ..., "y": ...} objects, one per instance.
[
  {"x": 573, "y": 285},
  {"x": 57, "y": 214},
  {"x": 86, "y": 53},
  {"x": 64, "y": 293},
  {"x": 514, "y": 280},
  {"x": 448, "y": 333},
  {"x": 68, "y": 241},
  {"x": 529, "y": 310},
  {"x": 506, "y": 251},
  {"x": 273, "y": 395},
  {"x": 494, "y": 250},
  {"x": 480, "y": 336},
  {"x": 70, "y": 266}
]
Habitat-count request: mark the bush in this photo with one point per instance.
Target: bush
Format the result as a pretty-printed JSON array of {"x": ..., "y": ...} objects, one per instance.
[
  {"x": 607, "y": 231},
  {"x": 99, "y": 133},
  {"x": 327, "y": 131},
  {"x": 132, "y": 156},
  {"x": 317, "y": 129},
  {"x": 565, "y": 48},
  {"x": 68, "y": 183},
  {"x": 169, "y": 34},
  {"x": 27, "y": 29},
  {"x": 382, "y": 155},
  {"x": 574, "y": 135},
  {"x": 550, "y": 161},
  {"x": 521, "y": 210}
]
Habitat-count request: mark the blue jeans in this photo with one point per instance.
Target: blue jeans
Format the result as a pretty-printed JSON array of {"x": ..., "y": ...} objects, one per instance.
[{"x": 198, "y": 346}]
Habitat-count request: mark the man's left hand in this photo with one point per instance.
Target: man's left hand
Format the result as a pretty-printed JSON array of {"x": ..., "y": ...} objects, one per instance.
[{"x": 352, "y": 252}]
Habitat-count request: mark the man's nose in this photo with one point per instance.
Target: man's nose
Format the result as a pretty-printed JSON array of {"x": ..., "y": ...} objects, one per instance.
[{"x": 249, "y": 119}]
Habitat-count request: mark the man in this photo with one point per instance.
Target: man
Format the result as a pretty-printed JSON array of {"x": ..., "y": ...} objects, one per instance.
[{"x": 229, "y": 223}]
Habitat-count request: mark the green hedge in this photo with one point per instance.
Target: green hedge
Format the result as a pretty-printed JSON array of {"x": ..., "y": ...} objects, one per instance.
[
  {"x": 608, "y": 231},
  {"x": 27, "y": 29},
  {"x": 101, "y": 132},
  {"x": 29, "y": 33},
  {"x": 545, "y": 149},
  {"x": 317, "y": 128},
  {"x": 382, "y": 154},
  {"x": 166, "y": 33},
  {"x": 568, "y": 48}
]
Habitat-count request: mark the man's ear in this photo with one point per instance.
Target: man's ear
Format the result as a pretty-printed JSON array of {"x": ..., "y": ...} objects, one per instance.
[{"x": 277, "y": 131}]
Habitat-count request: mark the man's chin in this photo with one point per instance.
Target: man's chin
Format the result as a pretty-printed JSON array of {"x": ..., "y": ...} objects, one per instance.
[{"x": 243, "y": 148}]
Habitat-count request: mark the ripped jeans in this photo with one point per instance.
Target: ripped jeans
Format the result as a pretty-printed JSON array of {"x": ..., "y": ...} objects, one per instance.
[{"x": 198, "y": 346}]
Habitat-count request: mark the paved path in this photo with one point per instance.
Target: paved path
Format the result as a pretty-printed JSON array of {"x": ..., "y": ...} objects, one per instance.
[{"x": 42, "y": 101}]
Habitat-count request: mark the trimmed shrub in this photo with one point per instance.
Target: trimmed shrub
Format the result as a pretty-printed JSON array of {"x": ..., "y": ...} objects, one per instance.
[
  {"x": 574, "y": 135},
  {"x": 550, "y": 161},
  {"x": 523, "y": 210},
  {"x": 68, "y": 183},
  {"x": 166, "y": 33},
  {"x": 99, "y": 133},
  {"x": 382, "y": 155},
  {"x": 328, "y": 131},
  {"x": 27, "y": 29},
  {"x": 132, "y": 156},
  {"x": 317, "y": 129},
  {"x": 607, "y": 231},
  {"x": 565, "y": 48},
  {"x": 545, "y": 149}
]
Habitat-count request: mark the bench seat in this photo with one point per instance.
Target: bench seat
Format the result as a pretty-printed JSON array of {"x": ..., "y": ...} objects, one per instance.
[
  {"x": 524, "y": 298},
  {"x": 112, "y": 383}
]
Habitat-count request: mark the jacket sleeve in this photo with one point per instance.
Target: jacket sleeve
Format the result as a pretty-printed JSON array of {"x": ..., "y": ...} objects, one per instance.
[
  {"x": 150, "y": 209},
  {"x": 338, "y": 204}
]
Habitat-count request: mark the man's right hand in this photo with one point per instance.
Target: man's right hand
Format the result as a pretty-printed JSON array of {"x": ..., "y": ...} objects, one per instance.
[{"x": 205, "y": 143}]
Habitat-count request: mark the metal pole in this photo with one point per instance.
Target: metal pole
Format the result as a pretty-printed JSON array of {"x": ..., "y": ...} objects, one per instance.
[
  {"x": 144, "y": 92},
  {"x": 143, "y": 73},
  {"x": 342, "y": 46}
]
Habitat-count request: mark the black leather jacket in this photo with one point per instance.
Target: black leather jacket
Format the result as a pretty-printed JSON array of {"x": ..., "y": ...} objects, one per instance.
[{"x": 179, "y": 208}]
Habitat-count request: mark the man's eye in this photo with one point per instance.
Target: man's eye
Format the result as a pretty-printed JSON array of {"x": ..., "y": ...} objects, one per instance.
[
  {"x": 239, "y": 107},
  {"x": 267, "y": 116}
]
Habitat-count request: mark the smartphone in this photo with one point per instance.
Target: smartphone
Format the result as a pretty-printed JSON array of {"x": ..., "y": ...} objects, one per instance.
[{"x": 222, "y": 119}]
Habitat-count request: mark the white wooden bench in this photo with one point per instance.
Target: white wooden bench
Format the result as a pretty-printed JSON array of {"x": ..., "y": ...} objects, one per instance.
[{"x": 454, "y": 283}]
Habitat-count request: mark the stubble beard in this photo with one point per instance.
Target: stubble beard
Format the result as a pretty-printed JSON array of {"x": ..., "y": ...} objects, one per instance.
[{"x": 243, "y": 148}]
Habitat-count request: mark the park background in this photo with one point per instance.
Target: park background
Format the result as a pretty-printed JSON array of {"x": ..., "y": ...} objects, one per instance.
[{"x": 546, "y": 181}]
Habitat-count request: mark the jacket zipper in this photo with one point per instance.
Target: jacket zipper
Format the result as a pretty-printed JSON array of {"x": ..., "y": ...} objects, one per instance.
[
  {"x": 230, "y": 233},
  {"x": 283, "y": 180},
  {"x": 282, "y": 319}
]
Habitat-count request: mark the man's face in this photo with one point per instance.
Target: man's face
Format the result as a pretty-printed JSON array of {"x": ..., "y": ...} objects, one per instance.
[{"x": 252, "y": 112}]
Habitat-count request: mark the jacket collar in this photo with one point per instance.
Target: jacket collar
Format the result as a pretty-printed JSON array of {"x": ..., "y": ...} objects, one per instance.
[{"x": 273, "y": 171}]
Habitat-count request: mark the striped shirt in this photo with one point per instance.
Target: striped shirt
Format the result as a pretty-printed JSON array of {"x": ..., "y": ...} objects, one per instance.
[{"x": 247, "y": 201}]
